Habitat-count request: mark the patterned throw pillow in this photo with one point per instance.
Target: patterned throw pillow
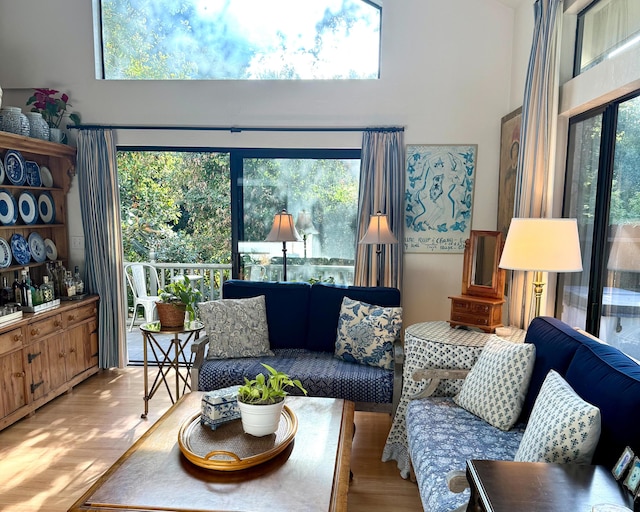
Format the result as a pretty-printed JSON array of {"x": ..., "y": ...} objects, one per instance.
[
  {"x": 366, "y": 333},
  {"x": 496, "y": 385},
  {"x": 562, "y": 428},
  {"x": 236, "y": 327}
]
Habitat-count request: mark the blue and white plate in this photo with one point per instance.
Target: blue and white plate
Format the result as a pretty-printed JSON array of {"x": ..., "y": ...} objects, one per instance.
[
  {"x": 28, "y": 207},
  {"x": 52, "y": 250},
  {"x": 2, "y": 173},
  {"x": 5, "y": 253},
  {"x": 20, "y": 249},
  {"x": 8, "y": 208},
  {"x": 45, "y": 176},
  {"x": 33, "y": 174},
  {"x": 47, "y": 208},
  {"x": 14, "y": 166},
  {"x": 37, "y": 247}
]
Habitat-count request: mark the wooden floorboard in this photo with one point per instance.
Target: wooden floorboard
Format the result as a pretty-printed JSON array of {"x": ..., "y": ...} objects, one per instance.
[{"x": 49, "y": 459}]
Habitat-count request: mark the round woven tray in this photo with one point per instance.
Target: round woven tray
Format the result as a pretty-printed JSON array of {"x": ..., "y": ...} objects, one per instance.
[{"x": 228, "y": 448}]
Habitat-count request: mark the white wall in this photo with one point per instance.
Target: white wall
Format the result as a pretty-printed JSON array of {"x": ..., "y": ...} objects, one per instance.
[{"x": 447, "y": 76}]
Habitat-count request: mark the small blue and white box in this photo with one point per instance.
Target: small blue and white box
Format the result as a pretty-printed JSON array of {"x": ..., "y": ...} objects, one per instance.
[{"x": 220, "y": 406}]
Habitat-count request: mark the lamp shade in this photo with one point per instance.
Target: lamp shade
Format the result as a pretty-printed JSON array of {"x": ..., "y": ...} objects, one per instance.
[
  {"x": 378, "y": 231},
  {"x": 305, "y": 224},
  {"x": 283, "y": 229},
  {"x": 544, "y": 245},
  {"x": 625, "y": 248}
]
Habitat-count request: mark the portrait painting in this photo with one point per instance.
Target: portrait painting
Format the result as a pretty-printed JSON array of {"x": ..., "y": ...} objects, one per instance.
[{"x": 509, "y": 152}]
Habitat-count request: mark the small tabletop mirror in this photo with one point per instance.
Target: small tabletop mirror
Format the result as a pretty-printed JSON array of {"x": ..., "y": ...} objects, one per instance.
[{"x": 481, "y": 276}]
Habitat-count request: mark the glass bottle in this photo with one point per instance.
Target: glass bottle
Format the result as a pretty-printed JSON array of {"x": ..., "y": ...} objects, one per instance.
[
  {"x": 17, "y": 296},
  {"x": 46, "y": 289},
  {"x": 34, "y": 291},
  {"x": 69, "y": 287},
  {"x": 25, "y": 291},
  {"x": 6, "y": 293},
  {"x": 78, "y": 281}
]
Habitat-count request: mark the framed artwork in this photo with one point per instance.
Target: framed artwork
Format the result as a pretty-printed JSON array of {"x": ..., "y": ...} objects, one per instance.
[
  {"x": 509, "y": 151},
  {"x": 439, "y": 197},
  {"x": 632, "y": 482},
  {"x": 623, "y": 463}
]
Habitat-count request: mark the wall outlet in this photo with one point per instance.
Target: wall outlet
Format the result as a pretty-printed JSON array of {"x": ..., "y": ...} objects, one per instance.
[{"x": 77, "y": 242}]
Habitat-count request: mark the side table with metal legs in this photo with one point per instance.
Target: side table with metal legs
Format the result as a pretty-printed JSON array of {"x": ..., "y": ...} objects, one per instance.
[{"x": 173, "y": 358}]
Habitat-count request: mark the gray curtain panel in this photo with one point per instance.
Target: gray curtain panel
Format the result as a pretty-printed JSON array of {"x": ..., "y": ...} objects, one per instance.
[{"x": 100, "y": 205}]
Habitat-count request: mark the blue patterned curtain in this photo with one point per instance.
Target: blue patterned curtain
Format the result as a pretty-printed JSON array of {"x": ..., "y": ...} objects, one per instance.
[
  {"x": 537, "y": 140},
  {"x": 381, "y": 189},
  {"x": 100, "y": 205}
]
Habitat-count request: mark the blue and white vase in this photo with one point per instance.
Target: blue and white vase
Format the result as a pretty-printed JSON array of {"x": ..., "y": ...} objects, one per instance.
[
  {"x": 14, "y": 121},
  {"x": 39, "y": 127}
]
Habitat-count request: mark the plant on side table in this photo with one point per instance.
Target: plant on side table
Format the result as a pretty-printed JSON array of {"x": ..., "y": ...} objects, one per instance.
[
  {"x": 175, "y": 299},
  {"x": 261, "y": 401}
]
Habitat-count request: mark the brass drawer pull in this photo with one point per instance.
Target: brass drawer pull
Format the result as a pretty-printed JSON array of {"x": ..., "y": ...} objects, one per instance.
[
  {"x": 72, "y": 318},
  {"x": 35, "y": 332},
  {"x": 57, "y": 323},
  {"x": 17, "y": 337}
]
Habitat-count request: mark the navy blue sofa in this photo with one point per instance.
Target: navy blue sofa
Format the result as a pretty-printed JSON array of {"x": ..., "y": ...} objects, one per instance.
[
  {"x": 302, "y": 320},
  {"x": 442, "y": 436}
]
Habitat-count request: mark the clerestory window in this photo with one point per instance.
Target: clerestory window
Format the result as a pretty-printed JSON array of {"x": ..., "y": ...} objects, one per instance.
[{"x": 239, "y": 39}]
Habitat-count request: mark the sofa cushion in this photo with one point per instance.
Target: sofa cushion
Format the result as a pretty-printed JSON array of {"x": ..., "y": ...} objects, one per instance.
[
  {"x": 562, "y": 428},
  {"x": 605, "y": 377},
  {"x": 366, "y": 333},
  {"x": 320, "y": 373},
  {"x": 556, "y": 343},
  {"x": 287, "y": 308},
  {"x": 441, "y": 438},
  {"x": 496, "y": 385},
  {"x": 326, "y": 300},
  {"x": 236, "y": 327}
]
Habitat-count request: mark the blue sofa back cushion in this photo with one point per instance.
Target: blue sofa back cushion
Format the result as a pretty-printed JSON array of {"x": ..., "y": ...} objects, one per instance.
[
  {"x": 287, "y": 308},
  {"x": 326, "y": 300},
  {"x": 556, "y": 344},
  {"x": 608, "y": 379}
]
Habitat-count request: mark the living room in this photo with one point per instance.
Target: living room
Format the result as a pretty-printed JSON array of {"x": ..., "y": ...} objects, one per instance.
[{"x": 449, "y": 72}]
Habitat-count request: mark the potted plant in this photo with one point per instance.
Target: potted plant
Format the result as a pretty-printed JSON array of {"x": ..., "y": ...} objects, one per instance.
[
  {"x": 261, "y": 400},
  {"x": 53, "y": 110},
  {"x": 177, "y": 298}
]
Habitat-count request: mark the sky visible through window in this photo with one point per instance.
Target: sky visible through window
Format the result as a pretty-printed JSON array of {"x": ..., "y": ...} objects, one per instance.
[{"x": 240, "y": 39}]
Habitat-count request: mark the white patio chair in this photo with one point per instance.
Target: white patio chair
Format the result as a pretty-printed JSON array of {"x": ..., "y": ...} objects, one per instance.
[{"x": 140, "y": 276}]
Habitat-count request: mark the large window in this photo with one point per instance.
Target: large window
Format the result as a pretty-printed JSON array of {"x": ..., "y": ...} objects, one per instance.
[
  {"x": 218, "y": 207},
  {"x": 605, "y": 28},
  {"x": 603, "y": 193},
  {"x": 240, "y": 39}
]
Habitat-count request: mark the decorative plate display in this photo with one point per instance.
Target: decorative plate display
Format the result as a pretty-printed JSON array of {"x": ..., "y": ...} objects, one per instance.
[
  {"x": 45, "y": 177},
  {"x": 2, "y": 173},
  {"x": 28, "y": 208},
  {"x": 47, "y": 208},
  {"x": 33, "y": 174},
  {"x": 37, "y": 247},
  {"x": 8, "y": 208},
  {"x": 51, "y": 249},
  {"x": 5, "y": 253},
  {"x": 14, "y": 166},
  {"x": 20, "y": 249}
]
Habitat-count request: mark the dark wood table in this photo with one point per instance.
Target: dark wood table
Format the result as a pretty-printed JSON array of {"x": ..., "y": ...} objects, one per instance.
[
  {"x": 505, "y": 486},
  {"x": 312, "y": 474}
]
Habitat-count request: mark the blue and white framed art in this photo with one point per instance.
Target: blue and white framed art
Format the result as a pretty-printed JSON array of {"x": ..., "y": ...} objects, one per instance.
[{"x": 439, "y": 197}]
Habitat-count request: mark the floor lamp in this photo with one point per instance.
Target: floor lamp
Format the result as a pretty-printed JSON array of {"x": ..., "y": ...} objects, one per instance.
[
  {"x": 378, "y": 233},
  {"x": 283, "y": 230},
  {"x": 542, "y": 245}
]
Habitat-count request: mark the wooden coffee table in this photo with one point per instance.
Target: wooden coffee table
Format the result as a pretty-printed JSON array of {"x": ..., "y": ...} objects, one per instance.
[{"x": 312, "y": 474}]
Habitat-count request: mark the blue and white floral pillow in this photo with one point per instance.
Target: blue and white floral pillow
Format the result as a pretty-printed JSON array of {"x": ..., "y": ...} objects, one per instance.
[{"x": 366, "y": 333}]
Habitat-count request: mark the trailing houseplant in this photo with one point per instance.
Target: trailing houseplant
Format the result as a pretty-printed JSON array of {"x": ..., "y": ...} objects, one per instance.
[
  {"x": 261, "y": 400},
  {"x": 176, "y": 298}
]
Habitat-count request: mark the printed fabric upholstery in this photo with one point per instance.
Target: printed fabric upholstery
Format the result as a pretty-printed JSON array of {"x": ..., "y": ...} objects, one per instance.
[
  {"x": 496, "y": 386},
  {"x": 441, "y": 438},
  {"x": 562, "y": 428},
  {"x": 366, "y": 333},
  {"x": 236, "y": 327},
  {"x": 320, "y": 373}
]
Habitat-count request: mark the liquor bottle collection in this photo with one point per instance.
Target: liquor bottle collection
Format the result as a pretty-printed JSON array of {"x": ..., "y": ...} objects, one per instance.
[{"x": 57, "y": 283}]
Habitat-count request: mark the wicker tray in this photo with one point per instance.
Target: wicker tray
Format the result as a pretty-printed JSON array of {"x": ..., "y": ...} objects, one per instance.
[{"x": 228, "y": 448}]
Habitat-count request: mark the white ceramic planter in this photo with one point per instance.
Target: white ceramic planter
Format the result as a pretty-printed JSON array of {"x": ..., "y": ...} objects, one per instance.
[{"x": 260, "y": 420}]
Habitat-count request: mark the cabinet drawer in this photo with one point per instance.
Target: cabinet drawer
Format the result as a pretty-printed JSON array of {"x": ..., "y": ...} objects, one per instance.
[
  {"x": 469, "y": 319},
  {"x": 482, "y": 309},
  {"x": 460, "y": 306},
  {"x": 43, "y": 327},
  {"x": 10, "y": 340},
  {"x": 77, "y": 315}
]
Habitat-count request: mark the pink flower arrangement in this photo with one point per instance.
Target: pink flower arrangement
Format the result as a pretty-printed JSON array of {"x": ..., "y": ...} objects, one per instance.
[{"x": 52, "y": 108}]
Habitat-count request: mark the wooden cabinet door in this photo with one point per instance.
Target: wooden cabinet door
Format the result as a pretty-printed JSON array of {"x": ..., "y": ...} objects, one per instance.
[
  {"x": 56, "y": 355},
  {"x": 13, "y": 393},
  {"x": 36, "y": 361}
]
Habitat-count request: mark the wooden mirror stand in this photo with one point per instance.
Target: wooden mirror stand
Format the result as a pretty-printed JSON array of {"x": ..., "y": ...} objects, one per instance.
[{"x": 480, "y": 304}]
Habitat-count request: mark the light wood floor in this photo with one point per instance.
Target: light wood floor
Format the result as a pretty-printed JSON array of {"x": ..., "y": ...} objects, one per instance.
[{"x": 48, "y": 460}]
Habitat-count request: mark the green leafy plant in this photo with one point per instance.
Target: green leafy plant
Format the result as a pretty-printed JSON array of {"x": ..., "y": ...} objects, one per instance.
[
  {"x": 52, "y": 108},
  {"x": 267, "y": 390},
  {"x": 181, "y": 292}
]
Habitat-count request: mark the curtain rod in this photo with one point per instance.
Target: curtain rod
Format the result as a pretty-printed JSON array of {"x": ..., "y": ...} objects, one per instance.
[{"x": 237, "y": 129}]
